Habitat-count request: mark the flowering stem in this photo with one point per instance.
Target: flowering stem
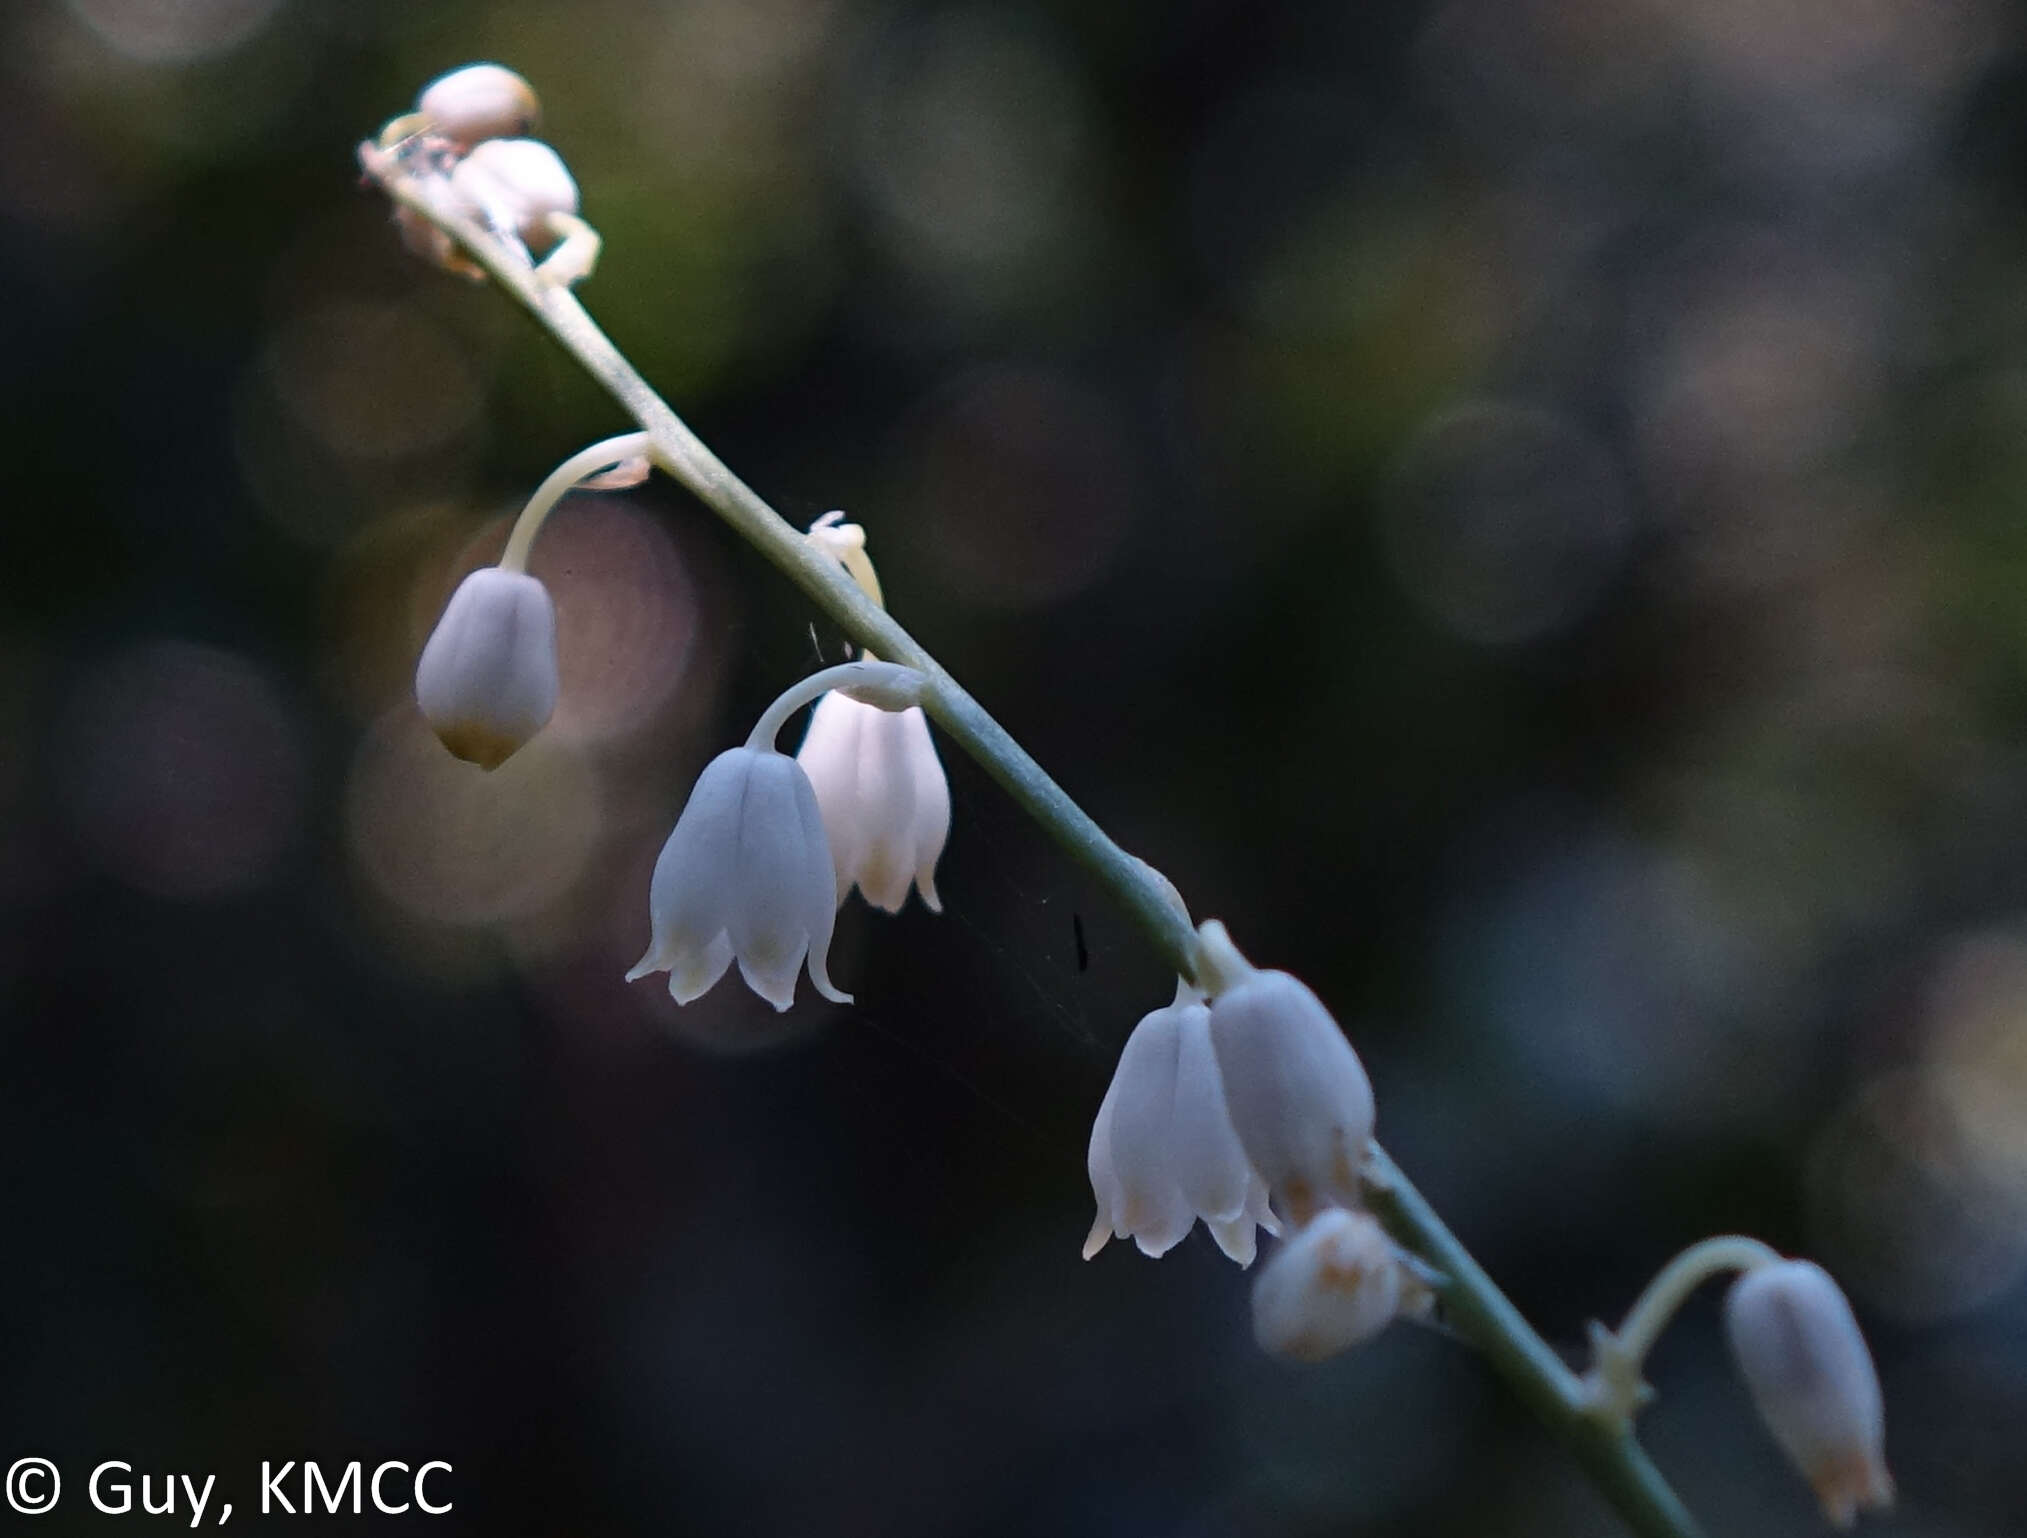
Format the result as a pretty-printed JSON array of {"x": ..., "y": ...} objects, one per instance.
[
  {"x": 1475, "y": 1305},
  {"x": 874, "y": 683}
]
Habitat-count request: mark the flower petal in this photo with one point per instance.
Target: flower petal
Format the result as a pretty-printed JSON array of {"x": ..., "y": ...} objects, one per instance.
[
  {"x": 769, "y": 916},
  {"x": 829, "y": 756},
  {"x": 1104, "y": 1180},
  {"x": 690, "y": 895},
  {"x": 1204, "y": 1151},
  {"x": 1151, "y": 1207},
  {"x": 1257, "y": 1208},
  {"x": 931, "y": 827},
  {"x": 820, "y": 908},
  {"x": 886, "y": 810},
  {"x": 1236, "y": 1237},
  {"x": 695, "y": 972}
]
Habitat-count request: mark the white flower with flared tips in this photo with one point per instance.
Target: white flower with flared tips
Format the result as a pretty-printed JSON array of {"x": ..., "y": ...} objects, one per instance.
[
  {"x": 486, "y": 681},
  {"x": 1298, "y": 1095},
  {"x": 1337, "y": 1281},
  {"x": 886, "y": 804},
  {"x": 746, "y": 877},
  {"x": 1163, "y": 1153},
  {"x": 1802, "y": 1356}
]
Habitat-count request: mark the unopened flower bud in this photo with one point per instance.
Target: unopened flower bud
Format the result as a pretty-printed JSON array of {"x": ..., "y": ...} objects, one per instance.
[
  {"x": 745, "y": 876},
  {"x": 1298, "y": 1095},
  {"x": 487, "y": 678},
  {"x": 515, "y": 185},
  {"x": 885, "y": 801},
  {"x": 478, "y": 102},
  {"x": 1335, "y": 1282},
  {"x": 1802, "y": 1356}
]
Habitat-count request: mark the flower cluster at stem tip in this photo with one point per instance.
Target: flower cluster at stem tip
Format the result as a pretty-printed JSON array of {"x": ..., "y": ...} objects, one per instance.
[
  {"x": 466, "y": 141},
  {"x": 1241, "y": 1104}
]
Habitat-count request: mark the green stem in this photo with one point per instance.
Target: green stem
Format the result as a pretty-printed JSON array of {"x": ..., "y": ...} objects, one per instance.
[{"x": 1614, "y": 1460}]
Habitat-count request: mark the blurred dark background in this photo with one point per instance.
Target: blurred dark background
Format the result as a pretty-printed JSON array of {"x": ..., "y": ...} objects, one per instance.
[{"x": 1515, "y": 504}]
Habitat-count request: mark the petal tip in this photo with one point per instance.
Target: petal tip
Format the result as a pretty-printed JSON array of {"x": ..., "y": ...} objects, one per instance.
[
  {"x": 1237, "y": 1240},
  {"x": 818, "y": 967},
  {"x": 1153, "y": 1249}
]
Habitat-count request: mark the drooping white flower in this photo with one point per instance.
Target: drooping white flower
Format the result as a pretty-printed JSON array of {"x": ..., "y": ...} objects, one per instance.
[
  {"x": 477, "y": 102},
  {"x": 515, "y": 185},
  {"x": 1163, "y": 1153},
  {"x": 1336, "y": 1281},
  {"x": 886, "y": 804},
  {"x": 487, "y": 677},
  {"x": 746, "y": 876},
  {"x": 1802, "y": 1356},
  {"x": 1298, "y": 1095}
]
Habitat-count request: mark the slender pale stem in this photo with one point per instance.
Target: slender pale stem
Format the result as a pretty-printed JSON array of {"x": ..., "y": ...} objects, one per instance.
[
  {"x": 885, "y": 684},
  {"x": 586, "y": 462},
  {"x": 1673, "y": 1284},
  {"x": 1477, "y": 1308}
]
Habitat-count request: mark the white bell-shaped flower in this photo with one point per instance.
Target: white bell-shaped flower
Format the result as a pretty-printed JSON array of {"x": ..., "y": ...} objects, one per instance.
[
  {"x": 477, "y": 102},
  {"x": 1298, "y": 1095},
  {"x": 487, "y": 678},
  {"x": 1163, "y": 1153},
  {"x": 745, "y": 876},
  {"x": 515, "y": 185},
  {"x": 885, "y": 801},
  {"x": 1802, "y": 1356},
  {"x": 1337, "y": 1281}
]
